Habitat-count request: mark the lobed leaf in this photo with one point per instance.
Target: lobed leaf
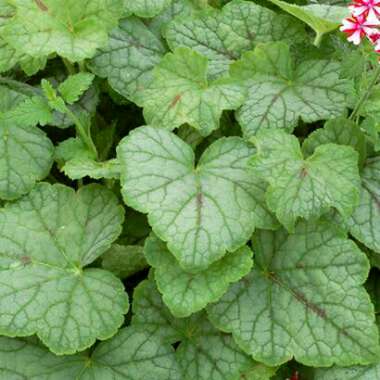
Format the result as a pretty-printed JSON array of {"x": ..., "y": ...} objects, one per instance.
[
  {"x": 124, "y": 260},
  {"x": 364, "y": 224},
  {"x": 200, "y": 211},
  {"x": 75, "y": 86},
  {"x": 131, "y": 355},
  {"x": 303, "y": 299},
  {"x": 204, "y": 353},
  {"x": 281, "y": 92},
  {"x": 26, "y": 156},
  {"x": 129, "y": 58},
  {"x": 186, "y": 293},
  {"x": 306, "y": 188},
  {"x": 223, "y": 35},
  {"x": 180, "y": 93},
  {"x": 72, "y": 29},
  {"x": 46, "y": 240}
]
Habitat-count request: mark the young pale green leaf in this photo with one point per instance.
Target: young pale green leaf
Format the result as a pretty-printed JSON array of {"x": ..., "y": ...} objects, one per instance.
[
  {"x": 303, "y": 299},
  {"x": 180, "y": 93},
  {"x": 78, "y": 168},
  {"x": 337, "y": 131},
  {"x": 223, "y": 35},
  {"x": 185, "y": 293},
  {"x": 200, "y": 211},
  {"x": 26, "y": 156},
  {"x": 32, "y": 65},
  {"x": 204, "y": 353},
  {"x": 124, "y": 260},
  {"x": 280, "y": 92},
  {"x": 46, "y": 240},
  {"x": 55, "y": 102},
  {"x": 71, "y": 29},
  {"x": 129, "y": 58},
  {"x": 365, "y": 222},
  {"x": 322, "y": 18},
  {"x": 146, "y": 8},
  {"x": 75, "y": 86},
  {"x": 131, "y": 355},
  {"x": 86, "y": 105},
  {"x": 306, "y": 188},
  {"x": 30, "y": 112},
  {"x": 71, "y": 149},
  {"x": 12, "y": 93}
]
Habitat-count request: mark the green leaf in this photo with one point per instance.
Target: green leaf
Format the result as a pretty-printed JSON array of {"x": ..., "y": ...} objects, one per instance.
[
  {"x": 46, "y": 240},
  {"x": 146, "y": 8},
  {"x": 32, "y": 66},
  {"x": 223, "y": 35},
  {"x": 30, "y": 112},
  {"x": 124, "y": 260},
  {"x": 28, "y": 359},
  {"x": 365, "y": 222},
  {"x": 351, "y": 373},
  {"x": 337, "y": 131},
  {"x": 128, "y": 60},
  {"x": 371, "y": 128},
  {"x": 131, "y": 355},
  {"x": 306, "y": 188},
  {"x": 303, "y": 299},
  {"x": 200, "y": 211},
  {"x": 9, "y": 57},
  {"x": 280, "y": 92},
  {"x": 26, "y": 156},
  {"x": 75, "y": 86},
  {"x": 180, "y": 93},
  {"x": 185, "y": 293},
  {"x": 70, "y": 149},
  {"x": 54, "y": 101},
  {"x": 204, "y": 353},
  {"x": 322, "y": 18},
  {"x": 10, "y": 98},
  {"x": 13, "y": 92},
  {"x": 78, "y": 168},
  {"x": 71, "y": 29},
  {"x": 160, "y": 23}
]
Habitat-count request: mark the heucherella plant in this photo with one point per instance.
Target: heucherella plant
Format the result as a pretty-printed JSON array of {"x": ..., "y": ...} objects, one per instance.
[{"x": 189, "y": 189}]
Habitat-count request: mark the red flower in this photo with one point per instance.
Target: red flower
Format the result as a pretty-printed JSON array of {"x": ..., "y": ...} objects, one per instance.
[
  {"x": 375, "y": 39},
  {"x": 357, "y": 27},
  {"x": 370, "y": 8}
]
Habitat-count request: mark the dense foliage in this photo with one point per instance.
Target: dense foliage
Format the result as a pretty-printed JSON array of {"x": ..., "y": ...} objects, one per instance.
[{"x": 189, "y": 190}]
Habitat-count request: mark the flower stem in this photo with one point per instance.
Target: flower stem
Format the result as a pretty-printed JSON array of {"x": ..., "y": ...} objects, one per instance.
[{"x": 366, "y": 95}]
